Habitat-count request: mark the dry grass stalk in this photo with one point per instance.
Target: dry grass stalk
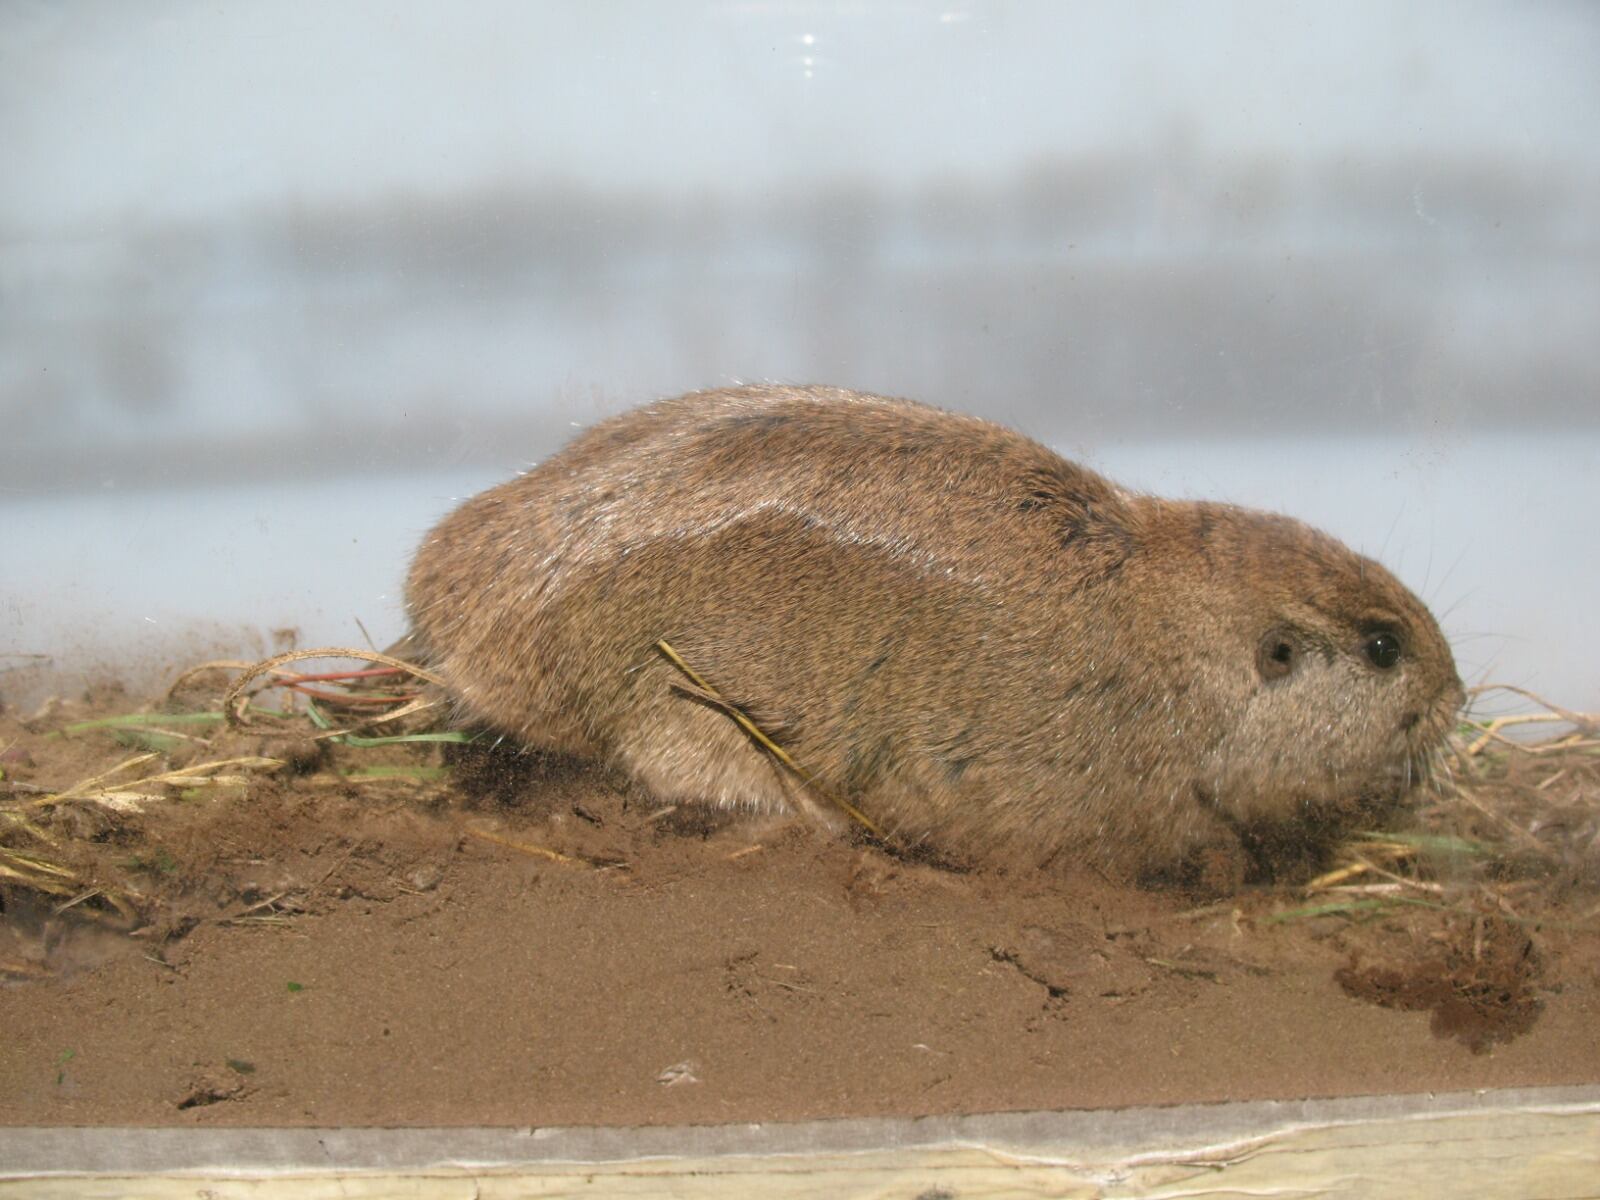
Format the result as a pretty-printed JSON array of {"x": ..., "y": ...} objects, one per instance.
[
  {"x": 132, "y": 795},
  {"x": 745, "y": 723},
  {"x": 39, "y": 874},
  {"x": 1583, "y": 735},
  {"x": 529, "y": 848},
  {"x": 234, "y": 701},
  {"x": 220, "y": 664}
]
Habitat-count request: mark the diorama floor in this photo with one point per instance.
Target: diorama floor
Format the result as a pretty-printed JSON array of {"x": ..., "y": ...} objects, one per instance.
[{"x": 426, "y": 948}]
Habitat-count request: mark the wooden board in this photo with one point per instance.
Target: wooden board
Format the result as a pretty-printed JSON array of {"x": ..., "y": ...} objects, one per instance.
[{"x": 1538, "y": 1142}]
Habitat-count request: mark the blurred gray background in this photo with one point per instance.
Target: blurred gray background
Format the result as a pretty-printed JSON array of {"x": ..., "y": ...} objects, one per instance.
[{"x": 279, "y": 281}]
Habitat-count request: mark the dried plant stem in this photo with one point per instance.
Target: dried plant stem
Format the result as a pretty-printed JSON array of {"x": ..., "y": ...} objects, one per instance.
[
  {"x": 233, "y": 700},
  {"x": 206, "y": 774},
  {"x": 529, "y": 848},
  {"x": 1585, "y": 726},
  {"x": 755, "y": 731}
]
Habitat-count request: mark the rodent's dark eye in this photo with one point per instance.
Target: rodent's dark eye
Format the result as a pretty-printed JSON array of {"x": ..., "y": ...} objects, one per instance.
[
  {"x": 1276, "y": 655},
  {"x": 1383, "y": 649}
]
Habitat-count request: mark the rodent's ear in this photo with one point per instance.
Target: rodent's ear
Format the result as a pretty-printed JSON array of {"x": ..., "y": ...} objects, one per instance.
[{"x": 1278, "y": 653}]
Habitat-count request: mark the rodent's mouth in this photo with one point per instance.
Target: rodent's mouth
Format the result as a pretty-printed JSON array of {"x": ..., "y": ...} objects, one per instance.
[
  {"x": 1424, "y": 730},
  {"x": 1423, "y": 737}
]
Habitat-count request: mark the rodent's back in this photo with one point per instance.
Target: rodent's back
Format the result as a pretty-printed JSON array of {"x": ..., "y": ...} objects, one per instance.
[{"x": 872, "y": 469}]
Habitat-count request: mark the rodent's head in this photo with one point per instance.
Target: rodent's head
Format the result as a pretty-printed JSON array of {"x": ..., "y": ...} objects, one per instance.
[{"x": 1335, "y": 683}]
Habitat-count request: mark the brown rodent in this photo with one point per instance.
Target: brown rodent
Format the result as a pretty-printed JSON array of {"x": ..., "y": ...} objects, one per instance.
[{"x": 981, "y": 645}]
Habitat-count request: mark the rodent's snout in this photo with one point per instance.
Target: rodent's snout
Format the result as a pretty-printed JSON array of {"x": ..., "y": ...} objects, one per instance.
[{"x": 1430, "y": 723}]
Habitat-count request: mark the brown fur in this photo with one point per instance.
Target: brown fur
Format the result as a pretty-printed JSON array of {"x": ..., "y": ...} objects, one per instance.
[{"x": 979, "y": 643}]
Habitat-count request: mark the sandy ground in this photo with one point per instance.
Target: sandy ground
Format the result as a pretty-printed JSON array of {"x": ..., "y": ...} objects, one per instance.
[{"x": 312, "y": 946}]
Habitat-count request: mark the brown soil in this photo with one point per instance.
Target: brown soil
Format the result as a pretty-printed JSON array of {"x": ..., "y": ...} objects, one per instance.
[{"x": 315, "y": 948}]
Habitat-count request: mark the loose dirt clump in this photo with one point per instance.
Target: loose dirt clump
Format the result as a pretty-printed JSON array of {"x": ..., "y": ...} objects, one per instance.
[{"x": 1481, "y": 986}]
